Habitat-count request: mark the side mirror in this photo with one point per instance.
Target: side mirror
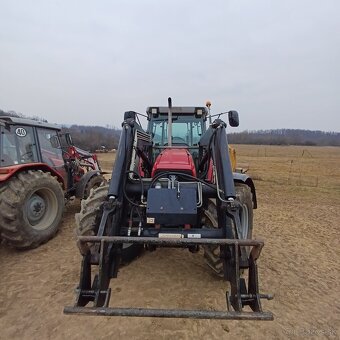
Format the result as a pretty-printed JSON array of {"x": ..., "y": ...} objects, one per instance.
[
  {"x": 68, "y": 139},
  {"x": 129, "y": 114},
  {"x": 233, "y": 118}
]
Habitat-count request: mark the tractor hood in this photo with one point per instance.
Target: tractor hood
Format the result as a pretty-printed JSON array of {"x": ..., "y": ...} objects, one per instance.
[{"x": 174, "y": 160}]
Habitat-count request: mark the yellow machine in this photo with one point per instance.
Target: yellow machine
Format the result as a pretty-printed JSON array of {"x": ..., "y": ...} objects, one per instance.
[{"x": 232, "y": 156}]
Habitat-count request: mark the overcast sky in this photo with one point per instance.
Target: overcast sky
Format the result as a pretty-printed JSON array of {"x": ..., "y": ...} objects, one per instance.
[{"x": 86, "y": 62}]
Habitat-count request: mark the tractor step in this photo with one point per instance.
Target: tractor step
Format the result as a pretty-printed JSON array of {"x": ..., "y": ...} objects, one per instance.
[{"x": 169, "y": 313}]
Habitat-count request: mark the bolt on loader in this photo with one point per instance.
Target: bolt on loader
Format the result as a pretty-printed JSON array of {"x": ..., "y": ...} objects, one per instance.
[{"x": 172, "y": 185}]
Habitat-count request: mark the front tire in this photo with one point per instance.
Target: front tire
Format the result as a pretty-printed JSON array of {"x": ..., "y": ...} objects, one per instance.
[
  {"x": 244, "y": 197},
  {"x": 93, "y": 183},
  {"x": 31, "y": 209},
  {"x": 88, "y": 221}
]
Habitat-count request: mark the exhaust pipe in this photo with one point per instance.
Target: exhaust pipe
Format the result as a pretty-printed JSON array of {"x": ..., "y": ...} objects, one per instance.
[{"x": 170, "y": 122}]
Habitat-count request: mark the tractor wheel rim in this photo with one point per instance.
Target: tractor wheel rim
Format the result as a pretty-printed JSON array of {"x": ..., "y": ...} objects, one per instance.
[
  {"x": 41, "y": 209},
  {"x": 244, "y": 221},
  {"x": 36, "y": 208}
]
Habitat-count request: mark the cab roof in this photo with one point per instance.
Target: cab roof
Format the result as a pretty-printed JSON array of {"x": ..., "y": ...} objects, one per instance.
[
  {"x": 28, "y": 122},
  {"x": 184, "y": 110},
  {"x": 154, "y": 112}
]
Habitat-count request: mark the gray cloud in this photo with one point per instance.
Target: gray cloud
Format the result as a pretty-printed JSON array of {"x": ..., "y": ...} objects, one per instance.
[{"x": 86, "y": 62}]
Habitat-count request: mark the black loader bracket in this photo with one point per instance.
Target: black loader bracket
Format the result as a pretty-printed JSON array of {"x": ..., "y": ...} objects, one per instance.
[{"x": 98, "y": 292}]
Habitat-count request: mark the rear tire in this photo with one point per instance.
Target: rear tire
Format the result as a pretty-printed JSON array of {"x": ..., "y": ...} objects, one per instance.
[
  {"x": 31, "y": 209},
  {"x": 212, "y": 253},
  {"x": 88, "y": 221}
]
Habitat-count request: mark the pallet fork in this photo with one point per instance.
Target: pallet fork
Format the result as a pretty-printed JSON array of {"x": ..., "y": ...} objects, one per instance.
[{"x": 98, "y": 292}]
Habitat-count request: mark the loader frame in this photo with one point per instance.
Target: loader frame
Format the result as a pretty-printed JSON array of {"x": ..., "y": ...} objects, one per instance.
[{"x": 239, "y": 297}]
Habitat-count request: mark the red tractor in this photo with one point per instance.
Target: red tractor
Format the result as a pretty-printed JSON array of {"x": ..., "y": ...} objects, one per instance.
[
  {"x": 40, "y": 169},
  {"x": 173, "y": 185}
]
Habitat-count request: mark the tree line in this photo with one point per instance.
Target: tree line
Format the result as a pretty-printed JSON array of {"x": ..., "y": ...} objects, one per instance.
[
  {"x": 93, "y": 138},
  {"x": 286, "y": 137}
]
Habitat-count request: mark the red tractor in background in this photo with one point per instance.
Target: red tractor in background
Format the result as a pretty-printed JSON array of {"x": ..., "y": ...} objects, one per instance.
[{"x": 40, "y": 169}]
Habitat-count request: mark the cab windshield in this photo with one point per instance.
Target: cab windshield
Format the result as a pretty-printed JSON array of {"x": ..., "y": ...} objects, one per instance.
[
  {"x": 185, "y": 131},
  {"x": 17, "y": 145}
]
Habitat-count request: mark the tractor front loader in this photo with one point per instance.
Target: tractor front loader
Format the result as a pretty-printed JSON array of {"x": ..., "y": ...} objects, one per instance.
[{"x": 172, "y": 185}]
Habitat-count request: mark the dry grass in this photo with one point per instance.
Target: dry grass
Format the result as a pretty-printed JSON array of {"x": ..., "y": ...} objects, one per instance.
[
  {"x": 106, "y": 160},
  {"x": 292, "y": 165}
]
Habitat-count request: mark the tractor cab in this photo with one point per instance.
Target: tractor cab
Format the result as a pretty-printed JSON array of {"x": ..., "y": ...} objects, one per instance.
[
  {"x": 188, "y": 130},
  {"x": 17, "y": 145},
  {"x": 25, "y": 142},
  {"x": 188, "y": 125}
]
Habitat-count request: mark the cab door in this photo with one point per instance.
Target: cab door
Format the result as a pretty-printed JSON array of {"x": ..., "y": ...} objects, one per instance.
[{"x": 51, "y": 152}]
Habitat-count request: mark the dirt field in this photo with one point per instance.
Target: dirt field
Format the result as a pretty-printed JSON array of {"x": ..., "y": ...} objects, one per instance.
[{"x": 298, "y": 216}]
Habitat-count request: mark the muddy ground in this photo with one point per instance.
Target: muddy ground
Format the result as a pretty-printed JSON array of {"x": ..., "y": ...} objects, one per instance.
[{"x": 299, "y": 264}]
